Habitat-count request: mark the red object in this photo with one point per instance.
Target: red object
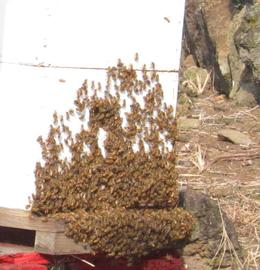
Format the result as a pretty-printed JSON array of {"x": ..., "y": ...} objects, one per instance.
[
  {"x": 24, "y": 261},
  {"x": 34, "y": 261},
  {"x": 162, "y": 261},
  {"x": 23, "y": 267}
]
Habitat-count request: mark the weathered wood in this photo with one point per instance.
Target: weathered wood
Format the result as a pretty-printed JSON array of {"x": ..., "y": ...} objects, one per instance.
[
  {"x": 22, "y": 219},
  {"x": 13, "y": 249},
  {"x": 58, "y": 244},
  {"x": 49, "y": 235}
]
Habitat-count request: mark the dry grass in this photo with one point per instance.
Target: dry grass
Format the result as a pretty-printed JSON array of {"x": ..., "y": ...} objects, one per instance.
[
  {"x": 198, "y": 85},
  {"x": 199, "y": 158},
  {"x": 228, "y": 173},
  {"x": 245, "y": 214},
  {"x": 227, "y": 245}
]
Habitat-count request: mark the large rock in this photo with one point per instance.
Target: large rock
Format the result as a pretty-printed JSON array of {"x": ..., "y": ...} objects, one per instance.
[
  {"x": 218, "y": 16},
  {"x": 235, "y": 64},
  {"x": 223, "y": 36},
  {"x": 247, "y": 43},
  {"x": 199, "y": 44},
  {"x": 206, "y": 239}
]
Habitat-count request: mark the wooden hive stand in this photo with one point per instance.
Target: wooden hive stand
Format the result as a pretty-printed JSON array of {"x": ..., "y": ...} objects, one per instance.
[{"x": 21, "y": 232}]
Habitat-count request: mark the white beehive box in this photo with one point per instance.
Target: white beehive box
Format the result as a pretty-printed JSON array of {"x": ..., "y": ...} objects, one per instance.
[{"x": 49, "y": 47}]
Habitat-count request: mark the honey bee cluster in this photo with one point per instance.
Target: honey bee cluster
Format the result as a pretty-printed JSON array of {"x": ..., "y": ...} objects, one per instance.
[
  {"x": 121, "y": 199},
  {"x": 129, "y": 233}
]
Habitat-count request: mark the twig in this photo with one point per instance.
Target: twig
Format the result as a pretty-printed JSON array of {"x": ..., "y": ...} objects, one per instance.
[
  {"x": 189, "y": 175},
  {"x": 226, "y": 243},
  {"x": 85, "y": 261},
  {"x": 246, "y": 112},
  {"x": 238, "y": 157},
  {"x": 199, "y": 159},
  {"x": 221, "y": 172}
]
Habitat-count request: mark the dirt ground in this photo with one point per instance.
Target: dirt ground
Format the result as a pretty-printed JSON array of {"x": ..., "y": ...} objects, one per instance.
[{"x": 228, "y": 172}]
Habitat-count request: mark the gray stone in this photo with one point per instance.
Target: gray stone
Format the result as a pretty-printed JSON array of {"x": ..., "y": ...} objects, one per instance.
[
  {"x": 246, "y": 96},
  {"x": 227, "y": 44},
  {"x": 198, "y": 42},
  {"x": 245, "y": 58},
  {"x": 235, "y": 137},
  {"x": 188, "y": 123},
  {"x": 236, "y": 65},
  {"x": 206, "y": 237}
]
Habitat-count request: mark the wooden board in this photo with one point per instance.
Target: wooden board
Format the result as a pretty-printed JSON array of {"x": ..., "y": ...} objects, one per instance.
[
  {"x": 58, "y": 244},
  {"x": 6, "y": 248},
  {"x": 48, "y": 238},
  {"x": 22, "y": 219}
]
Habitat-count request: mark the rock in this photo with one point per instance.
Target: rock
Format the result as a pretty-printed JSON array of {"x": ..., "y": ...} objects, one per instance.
[
  {"x": 199, "y": 44},
  {"x": 183, "y": 138},
  {"x": 246, "y": 96},
  {"x": 227, "y": 44},
  {"x": 188, "y": 123},
  {"x": 207, "y": 234},
  {"x": 247, "y": 42},
  {"x": 217, "y": 27},
  {"x": 235, "y": 137},
  {"x": 235, "y": 63},
  {"x": 188, "y": 62}
]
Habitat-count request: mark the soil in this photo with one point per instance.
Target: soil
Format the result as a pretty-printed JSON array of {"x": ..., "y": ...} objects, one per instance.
[{"x": 228, "y": 172}]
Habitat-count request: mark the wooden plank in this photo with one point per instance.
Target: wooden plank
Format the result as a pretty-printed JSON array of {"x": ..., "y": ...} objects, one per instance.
[
  {"x": 22, "y": 219},
  {"x": 6, "y": 248},
  {"x": 49, "y": 236},
  {"x": 58, "y": 244}
]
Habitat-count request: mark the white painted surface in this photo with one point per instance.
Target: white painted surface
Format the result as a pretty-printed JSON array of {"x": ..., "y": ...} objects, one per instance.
[{"x": 69, "y": 33}]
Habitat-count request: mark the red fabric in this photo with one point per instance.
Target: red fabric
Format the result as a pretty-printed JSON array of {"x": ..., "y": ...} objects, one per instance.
[
  {"x": 24, "y": 261},
  {"x": 36, "y": 261},
  {"x": 30, "y": 266},
  {"x": 24, "y": 258}
]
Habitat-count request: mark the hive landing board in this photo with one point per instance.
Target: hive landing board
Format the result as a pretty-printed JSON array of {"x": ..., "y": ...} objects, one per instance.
[{"x": 48, "y": 48}]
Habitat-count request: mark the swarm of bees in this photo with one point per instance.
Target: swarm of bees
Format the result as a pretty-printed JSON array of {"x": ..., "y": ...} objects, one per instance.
[
  {"x": 122, "y": 200},
  {"x": 129, "y": 233}
]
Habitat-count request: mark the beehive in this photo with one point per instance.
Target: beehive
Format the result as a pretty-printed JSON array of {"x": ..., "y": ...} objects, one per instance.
[
  {"x": 135, "y": 170},
  {"x": 59, "y": 44}
]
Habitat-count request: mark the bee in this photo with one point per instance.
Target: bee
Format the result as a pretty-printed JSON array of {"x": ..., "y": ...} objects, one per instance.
[
  {"x": 119, "y": 63},
  {"x": 67, "y": 116},
  {"x": 167, "y": 19},
  {"x": 55, "y": 118},
  {"x": 99, "y": 86},
  {"x": 71, "y": 112},
  {"x": 92, "y": 85},
  {"x": 136, "y": 58}
]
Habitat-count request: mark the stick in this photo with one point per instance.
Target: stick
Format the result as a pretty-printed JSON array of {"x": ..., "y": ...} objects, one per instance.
[
  {"x": 85, "y": 261},
  {"x": 241, "y": 156}
]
